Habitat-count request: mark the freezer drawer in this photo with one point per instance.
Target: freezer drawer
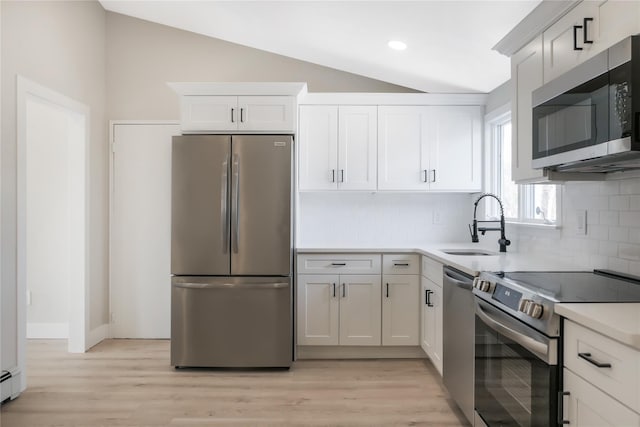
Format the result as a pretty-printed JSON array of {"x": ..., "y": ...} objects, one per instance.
[{"x": 231, "y": 322}]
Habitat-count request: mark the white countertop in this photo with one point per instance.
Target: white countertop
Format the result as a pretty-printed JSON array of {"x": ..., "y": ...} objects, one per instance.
[
  {"x": 618, "y": 321},
  {"x": 473, "y": 265}
]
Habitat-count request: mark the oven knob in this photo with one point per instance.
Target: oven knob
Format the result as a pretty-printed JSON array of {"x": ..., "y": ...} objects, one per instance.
[
  {"x": 476, "y": 282},
  {"x": 485, "y": 286},
  {"x": 524, "y": 305},
  {"x": 535, "y": 310}
]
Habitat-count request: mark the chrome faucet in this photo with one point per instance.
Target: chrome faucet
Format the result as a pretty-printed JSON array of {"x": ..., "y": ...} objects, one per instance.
[{"x": 503, "y": 241}]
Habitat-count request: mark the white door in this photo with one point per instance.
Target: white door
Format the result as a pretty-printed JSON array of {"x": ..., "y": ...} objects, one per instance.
[
  {"x": 400, "y": 309},
  {"x": 318, "y": 302},
  {"x": 266, "y": 113},
  {"x": 140, "y": 284},
  {"x": 357, "y": 144},
  {"x": 455, "y": 146},
  {"x": 318, "y": 147},
  {"x": 360, "y": 310},
  {"x": 402, "y": 148}
]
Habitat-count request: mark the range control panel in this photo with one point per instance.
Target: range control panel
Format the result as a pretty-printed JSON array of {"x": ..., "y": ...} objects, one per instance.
[{"x": 509, "y": 297}]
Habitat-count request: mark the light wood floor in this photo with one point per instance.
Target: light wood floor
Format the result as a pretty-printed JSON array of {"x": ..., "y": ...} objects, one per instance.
[{"x": 130, "y": 383}]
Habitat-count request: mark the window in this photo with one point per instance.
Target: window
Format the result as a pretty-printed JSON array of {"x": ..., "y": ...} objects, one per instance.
[{"x": 533, "y": 204}]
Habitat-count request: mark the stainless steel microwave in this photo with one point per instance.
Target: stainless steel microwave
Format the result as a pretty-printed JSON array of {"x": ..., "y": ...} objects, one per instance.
[{"x": 588, "y": 119}]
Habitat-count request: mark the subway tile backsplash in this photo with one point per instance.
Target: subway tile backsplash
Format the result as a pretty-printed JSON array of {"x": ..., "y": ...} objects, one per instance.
[{"x": 613, "y": 227}]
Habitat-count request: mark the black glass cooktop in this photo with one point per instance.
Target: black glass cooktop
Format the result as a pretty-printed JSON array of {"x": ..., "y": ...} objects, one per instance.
[{"x": 580, "y": 286}]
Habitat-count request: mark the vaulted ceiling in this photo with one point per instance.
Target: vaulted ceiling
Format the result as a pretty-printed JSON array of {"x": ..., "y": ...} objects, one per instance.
[{"x": 449, "y": 43}]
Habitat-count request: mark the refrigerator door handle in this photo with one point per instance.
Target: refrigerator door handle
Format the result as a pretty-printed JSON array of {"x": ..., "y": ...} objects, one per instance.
[
  {"x": 187, "y": 285},
  {"x": 224, "y": 203},
  {"x": 236, "y": 202}
]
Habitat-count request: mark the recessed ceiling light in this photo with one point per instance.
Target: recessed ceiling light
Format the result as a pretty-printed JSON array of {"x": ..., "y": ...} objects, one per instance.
[{"x": 397, "y": 45}]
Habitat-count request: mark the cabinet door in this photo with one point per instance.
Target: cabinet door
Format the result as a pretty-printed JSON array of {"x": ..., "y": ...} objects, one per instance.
[
  {"x": 559, "y": 53},
  {"x": 357, "y": 143},
  {"x": 618, "y": 19},
  {"x": 402, "y": 148},
  {"x": 266, "y": 113},
  {"x": 318, "y": 147},
  {"x": 526, "y": 74},
  {"x": 318, "y": 309},
  {"x": 359, "y": 310},
  {"x": 431, "y": 321},
  {"x": 455, "y": 147},
  {"x": 209, "y": 113},
  {"x": 400, "y": 309},
  {"x": 587, "y": 406}
]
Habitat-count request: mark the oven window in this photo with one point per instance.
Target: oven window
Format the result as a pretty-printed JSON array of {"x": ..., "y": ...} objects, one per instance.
[
  {"x": 575, "y": 119},
  {"x": 512, "y": 386}
]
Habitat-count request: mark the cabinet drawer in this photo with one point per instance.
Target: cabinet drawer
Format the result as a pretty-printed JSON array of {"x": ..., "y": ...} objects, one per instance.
[
  {"x": 339, "y": 264},
  {"x": 400, "y": 264},
  {"x": 432, "y": 270},
  {"x": 621, "y": 380}
]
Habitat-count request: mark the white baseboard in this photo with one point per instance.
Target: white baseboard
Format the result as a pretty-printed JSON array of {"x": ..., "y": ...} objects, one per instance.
[
  {"x": 10, "y": 387},
  {"x": 359, "y": 352},
  {"x": 97, "y": 335},
  {"x": 47, "y": 330}
]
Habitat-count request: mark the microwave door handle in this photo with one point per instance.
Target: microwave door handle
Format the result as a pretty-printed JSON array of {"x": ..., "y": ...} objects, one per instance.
[{"x": 536, "y": 347}]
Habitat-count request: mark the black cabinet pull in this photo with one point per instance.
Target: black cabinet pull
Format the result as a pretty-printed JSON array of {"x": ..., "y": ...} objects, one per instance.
[
  {"x": 401, "y": 264},
  {"x": 585, "y": 38},
  {"x": 233, "y": 116},
  {"x": 344, "y": 291},
  {"x": 387, "y": 290},
  {"x": 426, "y": 296},
  {"x": 429, "y": 298},
  {"x": 334, "y": 290},
  {"x": 575, "y": 37},
  {"x": 561, "y": 395},
  {"x": 588, "y": 358},
  {"x": 337, "y": 264}
]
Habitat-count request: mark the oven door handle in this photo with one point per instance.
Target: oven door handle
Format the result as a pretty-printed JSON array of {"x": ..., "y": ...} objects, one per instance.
[{"x": 540, "y": 349}]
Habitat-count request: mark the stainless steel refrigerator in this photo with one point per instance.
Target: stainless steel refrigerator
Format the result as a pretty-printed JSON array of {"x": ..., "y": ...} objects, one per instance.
[{"x": 231, "y": 251}]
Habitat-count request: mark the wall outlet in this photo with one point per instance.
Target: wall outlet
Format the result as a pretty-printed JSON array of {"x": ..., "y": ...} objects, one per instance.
[
  {"x": 581, "y": 222},
  {"x": 437, "y": 217}
]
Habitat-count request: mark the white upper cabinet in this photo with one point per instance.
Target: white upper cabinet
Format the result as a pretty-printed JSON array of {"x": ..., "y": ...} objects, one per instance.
[
  {"x": 586, "y": 30},
  {"x": 526, "y": 75},
  {"x": 337, "y": 147},
  {"x": 430, "y": 148},
  {"x": 455, "y": 147},
  {"x": 213, "y": 113},
  {"x": 403, "y": 150},
  {"x": 357, "y": 143},
  {"x": 318, "y": 147}
]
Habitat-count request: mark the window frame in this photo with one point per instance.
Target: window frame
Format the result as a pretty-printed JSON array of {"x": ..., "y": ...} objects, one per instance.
[{"x": 526, "y": 192}]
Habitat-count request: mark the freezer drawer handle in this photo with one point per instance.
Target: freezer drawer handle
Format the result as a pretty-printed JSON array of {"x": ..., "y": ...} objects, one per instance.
[
  {"x": 230, "y": 285},
  {"x": 588, "y": 358}
]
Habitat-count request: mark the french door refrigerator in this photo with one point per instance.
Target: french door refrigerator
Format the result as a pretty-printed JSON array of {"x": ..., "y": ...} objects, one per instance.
[{"x": 231, "y": 251}]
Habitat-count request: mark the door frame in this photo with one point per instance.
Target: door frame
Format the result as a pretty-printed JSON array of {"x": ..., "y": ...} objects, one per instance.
[
  {"x": 112, "y": 133},
  {"x": 79, "y": 305}
]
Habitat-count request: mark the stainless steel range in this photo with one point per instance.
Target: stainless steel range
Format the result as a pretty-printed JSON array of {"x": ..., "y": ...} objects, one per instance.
[{"x": 518, "y": 340}]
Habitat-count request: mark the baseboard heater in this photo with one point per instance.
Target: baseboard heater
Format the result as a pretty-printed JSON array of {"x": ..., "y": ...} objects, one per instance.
[{"x": 9, "y": 385}]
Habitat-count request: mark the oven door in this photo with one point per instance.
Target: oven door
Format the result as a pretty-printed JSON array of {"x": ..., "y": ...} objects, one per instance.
[{"x": 516, "y": 372}]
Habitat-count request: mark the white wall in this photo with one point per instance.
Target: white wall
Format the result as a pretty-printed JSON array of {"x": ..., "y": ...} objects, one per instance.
[
  {"x": 613, "y": 227},
  {"x": 60, "y": 45},
  {"x": 143, "y": 56},
  {"x": 346, "y": 219}
]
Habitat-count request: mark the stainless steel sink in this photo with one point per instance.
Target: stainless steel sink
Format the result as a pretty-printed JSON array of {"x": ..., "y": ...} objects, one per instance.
[{"x": 468, "y": 252}]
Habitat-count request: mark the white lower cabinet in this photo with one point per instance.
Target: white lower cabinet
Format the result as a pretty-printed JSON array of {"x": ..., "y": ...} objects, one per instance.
[
  {"x": 587, "y": 406},
  {"x": 431, "y": 321},
  {"x": 400, "y": 310},
  {"x": 338, "y": 309}
]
